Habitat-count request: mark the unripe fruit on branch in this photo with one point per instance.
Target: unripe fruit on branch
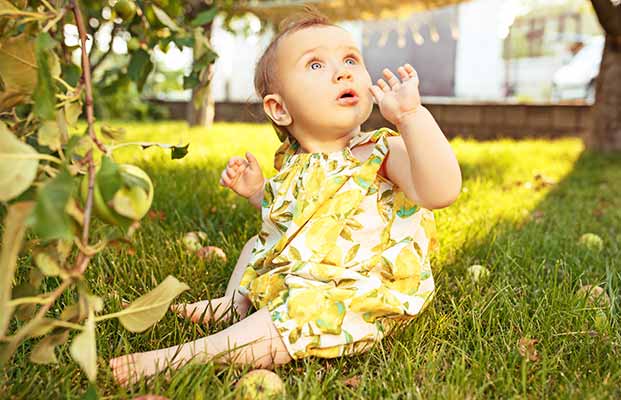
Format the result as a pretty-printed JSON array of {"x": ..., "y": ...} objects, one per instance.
[
  {"x": 129, "y": 203},
  {"x": 126, "y": 9}
]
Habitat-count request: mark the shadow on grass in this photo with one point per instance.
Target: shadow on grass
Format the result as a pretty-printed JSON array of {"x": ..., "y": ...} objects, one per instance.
[{"x": 468, "y": 341}]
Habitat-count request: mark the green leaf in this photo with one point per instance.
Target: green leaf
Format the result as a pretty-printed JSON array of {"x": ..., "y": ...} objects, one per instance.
[
  {"x": 14, "y": 228},
  {"x": 149, "y": 308},
  {"x": 49, "y": 135},
  {"x": 205, "y": 17},
  {"x": 15, "y": 175},
  {"x": 164, "y": 18},
  {"x": 45, "y": 91},
  {"x": 6, "y": 7},
  {"x": 47, "y": 264},
  {"x": 18, "y": 70},
  {"x": 191, "y": 81},
  {"x": 71, "y": 73},
  {"x": 49, "y": 219},
  {"x": 112, "y": 133},
  {"x": 43, "y": 352},
  {"x": 83, "y": 349},
  {"x": 139, "y": 67},
  {"x": 72, "y": 112},
  {"x": 179, "y": 151},
  {"x": 91, "y": 393},
  {"x": 108, "y": 178}
]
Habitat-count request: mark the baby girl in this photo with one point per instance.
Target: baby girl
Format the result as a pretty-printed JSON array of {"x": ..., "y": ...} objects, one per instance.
[{"x": 343, "y": 252}]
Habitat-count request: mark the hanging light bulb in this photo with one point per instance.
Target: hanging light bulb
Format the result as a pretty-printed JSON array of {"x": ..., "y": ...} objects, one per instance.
[
  {"x": 383, "y": 38},
  {"x": 455, "y": 24},
  {"x": 433, "y": 32},
  {"x": 401, "y": 42},
  {"x": 416, "y": 36}
]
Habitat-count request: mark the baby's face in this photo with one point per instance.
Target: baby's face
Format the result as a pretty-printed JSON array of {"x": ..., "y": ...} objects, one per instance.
[{"x": 315, "y": 66}]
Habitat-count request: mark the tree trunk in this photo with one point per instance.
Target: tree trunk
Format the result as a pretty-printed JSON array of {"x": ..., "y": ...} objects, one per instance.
[
  {"x": 204, "y": 114},
  {"x": 605, "y": 134}
]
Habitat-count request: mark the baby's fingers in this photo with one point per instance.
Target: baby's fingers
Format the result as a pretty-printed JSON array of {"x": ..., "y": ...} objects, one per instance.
[{"x": 377, "y": 93}]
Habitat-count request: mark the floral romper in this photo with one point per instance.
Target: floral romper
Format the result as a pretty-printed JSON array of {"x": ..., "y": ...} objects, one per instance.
[{"x": 342, "y": 255}]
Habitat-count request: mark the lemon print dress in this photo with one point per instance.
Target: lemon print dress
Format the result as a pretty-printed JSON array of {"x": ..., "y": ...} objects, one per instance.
[{"x": 343, "y": 255}]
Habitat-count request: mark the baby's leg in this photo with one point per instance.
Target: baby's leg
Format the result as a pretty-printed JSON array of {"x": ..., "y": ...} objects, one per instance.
[
  {"x": 253, "y": 341},
  {"x": 221, "y": 307}
]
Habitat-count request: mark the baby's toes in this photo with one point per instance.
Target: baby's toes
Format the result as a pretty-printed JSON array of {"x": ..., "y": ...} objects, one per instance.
[{"x": 121, "y": 368}]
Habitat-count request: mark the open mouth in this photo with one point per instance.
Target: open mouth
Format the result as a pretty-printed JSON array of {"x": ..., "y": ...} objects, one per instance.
[{"x": 348, "y": 97}]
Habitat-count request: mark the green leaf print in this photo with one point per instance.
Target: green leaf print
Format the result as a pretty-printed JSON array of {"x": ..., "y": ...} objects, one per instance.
[
  {"x": 405, "y": 211},
  {"x": 351, "y": 254},
  {"x": 363, "y": 183},
  {"x": 346, "y": 234},
  {"x": 352, "y": 223},
  {"x": 281, "y": 227},
  {"x": 294, "y": 254},
  {"x": 263, "y": 236},
  {"x": 424, "y": 275},
  {"x": 284, "y": 217},
  {"x": 348, "y": 337},
  {"x": 282, "y": 208},
  {"x": 268, "y": 195}
]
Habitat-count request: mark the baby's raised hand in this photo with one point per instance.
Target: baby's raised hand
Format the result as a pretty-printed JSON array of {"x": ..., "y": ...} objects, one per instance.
[
  {"x": 397, "y": 99},
  {"x": 243, "y": 176}
]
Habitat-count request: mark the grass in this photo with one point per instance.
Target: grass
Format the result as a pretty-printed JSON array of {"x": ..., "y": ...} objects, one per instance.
[{"x": 465, "y": 345}]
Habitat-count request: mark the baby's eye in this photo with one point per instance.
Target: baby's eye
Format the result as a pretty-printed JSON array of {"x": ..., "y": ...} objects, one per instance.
[
  {"x": 352, "y": 60},
  {"x": 315, "y": 63}
]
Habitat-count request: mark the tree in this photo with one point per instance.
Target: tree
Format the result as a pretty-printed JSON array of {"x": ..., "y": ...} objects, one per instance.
[
  {"x": 56, "y": 182},
  {"x": 605, "y": 134}
]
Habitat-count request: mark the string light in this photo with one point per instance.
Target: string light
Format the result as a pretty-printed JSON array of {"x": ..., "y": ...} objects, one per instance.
[
  {"x": 454, "y": 25},
  {"x": 433, "y": 32},
  {"x": 383, "y": 38},
  {"x": 416, "y": 36},
  {"x": 401, "y": 42}
]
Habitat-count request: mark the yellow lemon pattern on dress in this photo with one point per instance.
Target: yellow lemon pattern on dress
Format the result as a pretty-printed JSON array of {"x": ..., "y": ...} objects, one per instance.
[{"x": 343, "y": 254}]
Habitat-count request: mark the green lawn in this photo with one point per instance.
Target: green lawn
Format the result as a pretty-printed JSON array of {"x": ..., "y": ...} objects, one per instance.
[{"x": 465, "y": 345}]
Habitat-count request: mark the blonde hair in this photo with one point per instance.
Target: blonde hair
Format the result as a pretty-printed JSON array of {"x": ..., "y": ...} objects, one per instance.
[{"x": 265, "y": 71}]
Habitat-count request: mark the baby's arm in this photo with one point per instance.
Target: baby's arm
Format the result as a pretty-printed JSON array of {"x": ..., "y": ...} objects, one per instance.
[
  {"x": 434, "y": 177},
  {"x": 244, "y": 177}
]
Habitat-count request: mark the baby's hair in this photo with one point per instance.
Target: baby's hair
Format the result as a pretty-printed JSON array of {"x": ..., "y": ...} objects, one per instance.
[{"x": 265, "y": 72}]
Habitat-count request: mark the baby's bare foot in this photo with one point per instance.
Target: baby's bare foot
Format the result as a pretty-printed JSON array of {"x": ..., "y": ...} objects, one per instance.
[
  {"x": 128, "y": 369},
  {"x": 195, "y": 312}
]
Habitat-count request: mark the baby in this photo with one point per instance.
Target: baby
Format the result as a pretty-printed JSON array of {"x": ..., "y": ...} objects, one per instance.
[{"x": 343, "y": 252}]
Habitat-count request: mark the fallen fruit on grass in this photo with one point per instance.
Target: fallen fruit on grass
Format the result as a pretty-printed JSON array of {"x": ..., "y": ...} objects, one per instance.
[
  {"x": 591, "y": 241},
  {"x": 193, "y": 241},
  {"x": 478, "y": 272},
  {"x": 210, "y": 252},
  {"x": 258, "y": 385},
  {"x": 129, "y": 203},
  {"x": 595, "y": 295}
]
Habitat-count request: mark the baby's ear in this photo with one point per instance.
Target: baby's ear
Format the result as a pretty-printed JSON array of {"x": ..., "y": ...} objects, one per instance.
[{"x": 275, "y": 108}]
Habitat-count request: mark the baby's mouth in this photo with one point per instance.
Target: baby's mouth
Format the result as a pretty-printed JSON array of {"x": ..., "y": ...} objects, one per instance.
[{"x": 348, "y": 97}]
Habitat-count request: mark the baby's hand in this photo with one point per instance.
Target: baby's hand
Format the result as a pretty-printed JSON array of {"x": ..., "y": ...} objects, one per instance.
[
  {"x": 398, "y": 99},
  {"x": 243, "y": 176}
]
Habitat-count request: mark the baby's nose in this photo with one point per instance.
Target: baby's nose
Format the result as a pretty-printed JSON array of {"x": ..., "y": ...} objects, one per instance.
[{"x": 343, "y": 74}]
